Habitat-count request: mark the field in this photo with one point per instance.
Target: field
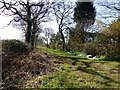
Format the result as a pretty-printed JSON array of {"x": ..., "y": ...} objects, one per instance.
[
  {"x": 48, "y": 68},
  {"x": 78, "y": 72}
]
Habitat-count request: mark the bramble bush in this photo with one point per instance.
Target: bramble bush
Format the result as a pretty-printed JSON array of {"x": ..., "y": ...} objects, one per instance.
[{"x": 14, "y": 48}]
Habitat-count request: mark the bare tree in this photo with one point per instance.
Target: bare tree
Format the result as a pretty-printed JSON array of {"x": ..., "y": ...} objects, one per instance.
[
  {"x": 63, "y": 12},
  {"x": 28, "y": 14},
  {"x": 48, "y": 33}
]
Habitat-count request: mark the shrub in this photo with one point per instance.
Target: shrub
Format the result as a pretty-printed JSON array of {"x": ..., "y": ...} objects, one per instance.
[
  {"x": 11, "y": 51},
  {"x": 75, "y": 47},
  {"x": 113, "y": 50},
  {"x": 109, "y": 50},
  {"x": 14, "y": 48},
  {"x": 90, "y": 48}
]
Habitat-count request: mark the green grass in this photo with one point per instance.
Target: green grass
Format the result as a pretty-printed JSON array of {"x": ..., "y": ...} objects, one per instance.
[
  {"x": 52, "y": 51},
  {"x": 61, "y": 79},
  {"x": 72, "y": 54},
  {"x": 72, "y": 71},
  {"x": 84, "y": 74}
]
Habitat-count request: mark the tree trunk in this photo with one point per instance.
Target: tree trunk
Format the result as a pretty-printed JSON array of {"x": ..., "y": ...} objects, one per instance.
[
  {"x": 47, "y": 43},
  {"x": 28, "y": 33},
  {"x": 34, "y": 34},
  {"x": 32, "y": 41},
  {"x": 29, "y": 25},
  {"x": 63, "y": 40}
]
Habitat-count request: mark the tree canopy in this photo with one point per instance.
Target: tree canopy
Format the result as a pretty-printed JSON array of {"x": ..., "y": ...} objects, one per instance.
[{"x": 84, "y": 14}]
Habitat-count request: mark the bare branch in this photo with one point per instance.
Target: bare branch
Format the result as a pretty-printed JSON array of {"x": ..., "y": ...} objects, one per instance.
[
  {"x": 62, "y": 12},
  {"x": 7, "y": 24}
]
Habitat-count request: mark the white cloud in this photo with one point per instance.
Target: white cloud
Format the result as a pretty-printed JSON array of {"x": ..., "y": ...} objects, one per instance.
[
  {"x": 52, "y": 24},
  {"x": 8, "y": 32}
]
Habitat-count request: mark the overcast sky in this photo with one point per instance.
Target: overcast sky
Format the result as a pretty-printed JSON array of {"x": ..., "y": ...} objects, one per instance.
[{"x": 13, "y": 33}]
